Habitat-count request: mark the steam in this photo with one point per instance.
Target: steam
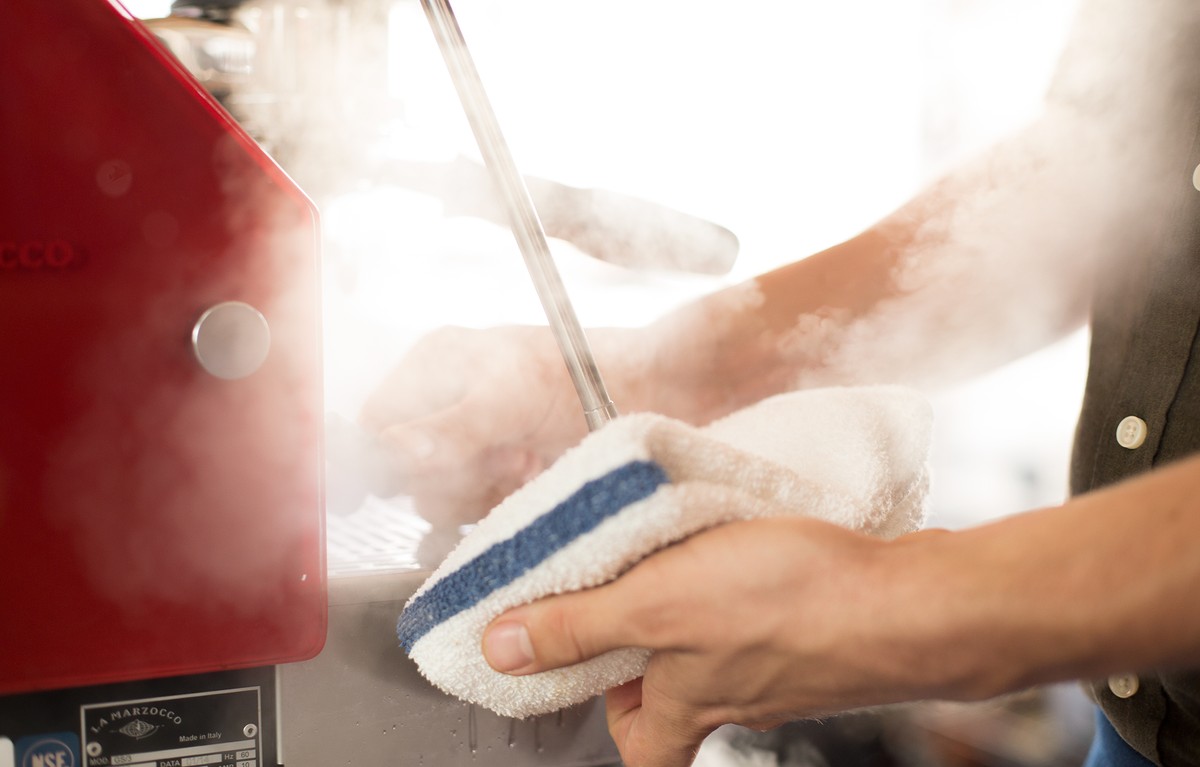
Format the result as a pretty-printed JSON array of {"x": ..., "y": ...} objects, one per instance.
[
  {"x": 1001, "y": 258},
  {"x": 1078, "y": 188},
  {"x": 178, "y": 486}
]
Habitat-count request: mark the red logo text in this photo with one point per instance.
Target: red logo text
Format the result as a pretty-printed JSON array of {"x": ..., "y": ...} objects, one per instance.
[{"x": 36, "y": 256}]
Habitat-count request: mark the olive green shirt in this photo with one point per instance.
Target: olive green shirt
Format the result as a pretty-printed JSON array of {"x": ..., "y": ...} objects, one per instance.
[{"x": 1135, "y": 66}]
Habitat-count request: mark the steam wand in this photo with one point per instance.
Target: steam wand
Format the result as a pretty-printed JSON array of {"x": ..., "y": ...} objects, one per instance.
[{"x": 598, "y": 408}]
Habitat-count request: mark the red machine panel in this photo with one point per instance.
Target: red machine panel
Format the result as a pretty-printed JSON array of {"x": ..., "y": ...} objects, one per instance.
[{"x": 157, "y": 517}]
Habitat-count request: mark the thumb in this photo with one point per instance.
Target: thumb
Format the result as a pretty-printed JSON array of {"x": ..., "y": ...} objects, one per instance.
[{"x": 558, "y": 631}]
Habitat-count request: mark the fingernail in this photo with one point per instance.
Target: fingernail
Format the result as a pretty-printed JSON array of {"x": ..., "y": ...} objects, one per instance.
[{"x": 507, "y": 647}]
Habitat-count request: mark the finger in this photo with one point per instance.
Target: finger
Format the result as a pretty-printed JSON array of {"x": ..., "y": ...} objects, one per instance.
[
  {"x": 404, "y": 396},
  {"x": 622, "y": 705},
  {"x": 561, "y": 631},
  {"x": 459, "y": 435},
  {"x": 436, "y": 372},
  {"x": 621, "y": 701},
  {"x": 652, "y": 730}
]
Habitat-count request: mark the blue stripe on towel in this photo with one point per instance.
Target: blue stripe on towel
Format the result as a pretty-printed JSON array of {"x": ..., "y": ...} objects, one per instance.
[{"x": 507, "y": 560}]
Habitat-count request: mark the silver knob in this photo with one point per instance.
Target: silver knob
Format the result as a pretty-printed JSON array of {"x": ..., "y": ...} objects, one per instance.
[{"x": 231, "y": 340}]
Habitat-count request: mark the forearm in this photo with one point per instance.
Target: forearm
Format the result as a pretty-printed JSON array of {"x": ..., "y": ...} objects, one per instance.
[
  {"x": 1104, "y": 584},
  {"x": 991, "y": 263}
]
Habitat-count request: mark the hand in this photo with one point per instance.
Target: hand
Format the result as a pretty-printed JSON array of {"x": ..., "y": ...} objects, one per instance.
[
  {"x": 470, "y": 415},
  {"x": 754, "y": 623}
]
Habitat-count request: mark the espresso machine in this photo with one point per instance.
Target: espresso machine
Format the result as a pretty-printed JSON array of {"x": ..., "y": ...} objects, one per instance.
[{"x": 172, "y": 589}]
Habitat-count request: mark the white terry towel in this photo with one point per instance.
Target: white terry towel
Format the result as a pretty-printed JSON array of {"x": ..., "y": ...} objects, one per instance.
[{"x": 852, "y": 456}]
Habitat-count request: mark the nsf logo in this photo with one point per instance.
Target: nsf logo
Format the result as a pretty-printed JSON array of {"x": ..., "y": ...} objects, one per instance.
[{"x": 58, "y": 749}]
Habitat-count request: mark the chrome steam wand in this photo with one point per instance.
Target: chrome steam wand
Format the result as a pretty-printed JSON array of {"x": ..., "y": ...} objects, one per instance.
[{"x": 598, "y": 408}]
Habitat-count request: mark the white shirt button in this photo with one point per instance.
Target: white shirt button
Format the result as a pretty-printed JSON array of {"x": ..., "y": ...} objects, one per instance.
[
  {"x": 1123, "y": 685},
  {"x": 1131, "y": 432}
]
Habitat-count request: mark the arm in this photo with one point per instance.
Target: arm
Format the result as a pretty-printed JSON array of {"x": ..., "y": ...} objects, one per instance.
[
  {"x": 948, "y": 286},
  {"x": 992, "y": 262},
  {"x": 761, "y": 622}
]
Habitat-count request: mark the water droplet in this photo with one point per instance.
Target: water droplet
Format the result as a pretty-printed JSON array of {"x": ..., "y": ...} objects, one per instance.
[{"x": 472, "y": 729}]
